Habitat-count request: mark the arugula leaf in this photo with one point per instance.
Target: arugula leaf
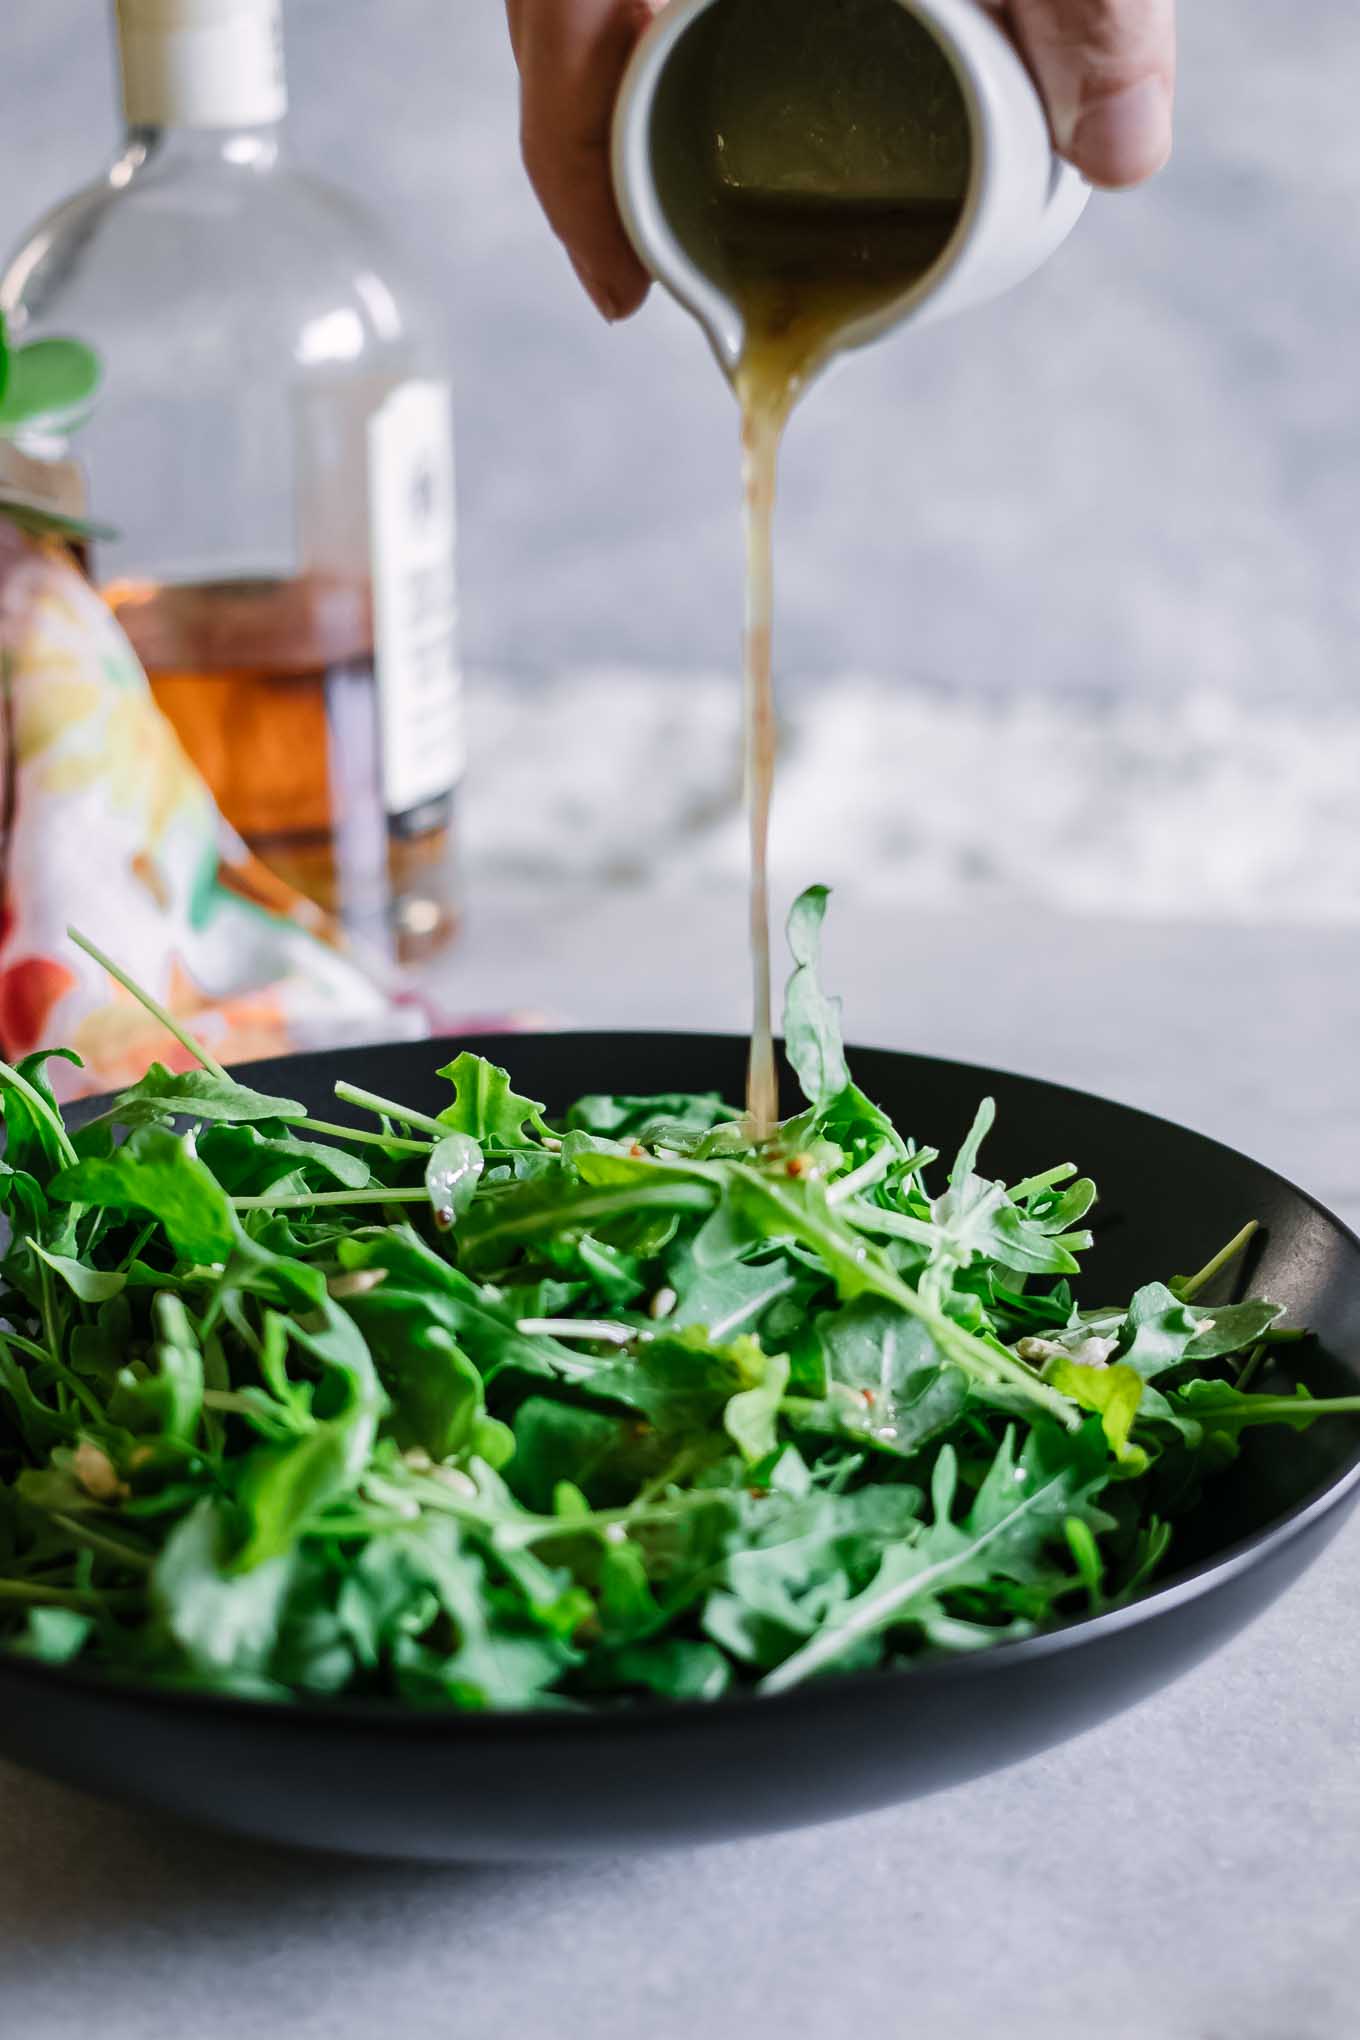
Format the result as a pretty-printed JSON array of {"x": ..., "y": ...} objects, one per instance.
[
  {"x": 451, "y": 1176},
  {"x": 158, "y": 1173},
  {"x": 248, "y": 1161},
  {"x": 1158, "y": 1331},
  {"x": 163, "y": 1095},
  {"x": 812, "y": 1021},
  {"x": 221, "y": 1620},
  {"x": 889, "y": 1386},
  {"x": 751, "y": 1418},
  {"x": 674, "y": 1119},
  {"x": 1116, "y": 1396},
  {"x": 91, "y": 1285},
  {"x": 485, "y": 1106}
]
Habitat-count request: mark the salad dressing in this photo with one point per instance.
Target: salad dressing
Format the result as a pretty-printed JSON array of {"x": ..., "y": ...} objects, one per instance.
[{"x": 809, "y": 273}]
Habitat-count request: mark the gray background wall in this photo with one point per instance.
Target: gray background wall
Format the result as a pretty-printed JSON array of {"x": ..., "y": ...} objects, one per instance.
[{"x": 1137, "y": 475}]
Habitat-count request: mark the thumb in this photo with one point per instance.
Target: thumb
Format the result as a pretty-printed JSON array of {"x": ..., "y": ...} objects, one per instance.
[{"x": 1107, "y": 71}]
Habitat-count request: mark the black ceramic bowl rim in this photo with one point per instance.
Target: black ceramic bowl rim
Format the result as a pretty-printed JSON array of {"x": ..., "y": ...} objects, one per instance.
[{"x": 1179, "y": 1590}]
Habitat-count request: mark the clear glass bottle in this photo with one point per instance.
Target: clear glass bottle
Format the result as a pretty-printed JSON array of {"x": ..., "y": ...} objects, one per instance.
[{"x": 272, "y": 442}]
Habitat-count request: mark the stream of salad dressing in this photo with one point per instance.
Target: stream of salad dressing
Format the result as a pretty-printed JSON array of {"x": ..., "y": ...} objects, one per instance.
[{"x": 797, "y": 314}]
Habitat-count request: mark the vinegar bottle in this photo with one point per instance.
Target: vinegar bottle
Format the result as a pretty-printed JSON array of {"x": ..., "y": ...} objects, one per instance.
[{"x": 272, "y": 443}]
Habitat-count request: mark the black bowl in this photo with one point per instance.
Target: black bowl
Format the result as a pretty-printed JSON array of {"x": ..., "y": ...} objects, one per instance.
[{"x": 380, "y": 1780}]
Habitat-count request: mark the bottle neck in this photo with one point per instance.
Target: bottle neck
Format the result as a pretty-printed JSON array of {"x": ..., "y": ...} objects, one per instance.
[
  {"x": 252, "y": 150},
  {"x": 213, "y": 67}
]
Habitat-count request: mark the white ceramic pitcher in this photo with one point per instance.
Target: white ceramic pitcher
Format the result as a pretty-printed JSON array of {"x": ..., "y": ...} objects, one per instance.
[{"x": 1020, "y": 204}]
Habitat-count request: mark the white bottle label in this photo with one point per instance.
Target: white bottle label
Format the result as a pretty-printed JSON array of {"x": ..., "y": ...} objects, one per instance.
[
  {"x": 202, "y": 63},
  {"x": 415, "y": 609}
]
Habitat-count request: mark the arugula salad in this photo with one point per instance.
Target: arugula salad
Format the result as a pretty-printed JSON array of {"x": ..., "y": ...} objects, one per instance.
[{"x": 485, "y": 1410}]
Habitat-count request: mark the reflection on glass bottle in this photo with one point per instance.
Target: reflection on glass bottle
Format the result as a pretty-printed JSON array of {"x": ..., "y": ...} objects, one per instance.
[{"x": 273, "y": 442}]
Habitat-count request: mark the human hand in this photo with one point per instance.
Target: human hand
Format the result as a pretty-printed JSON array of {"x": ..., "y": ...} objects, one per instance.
[
  {"x": 572, "y": 55},
  {"x": 1107, "y": 72},
  {"x": 1106, "y": 69}
]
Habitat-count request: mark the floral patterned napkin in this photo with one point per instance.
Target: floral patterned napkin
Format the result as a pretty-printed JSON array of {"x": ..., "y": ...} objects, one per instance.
[{"x": 105, "y": 824}]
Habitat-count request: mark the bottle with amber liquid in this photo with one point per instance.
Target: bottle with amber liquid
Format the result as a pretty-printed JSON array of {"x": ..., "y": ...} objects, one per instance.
[{"x": 272, "y": 445}]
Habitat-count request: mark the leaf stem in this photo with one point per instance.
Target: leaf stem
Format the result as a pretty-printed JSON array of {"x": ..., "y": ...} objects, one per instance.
[
  {"x": 111, "y": 1547},
  {"x": 1186, "y": 1287},
  {"x": 580, "y": 1328},
  {"x": 1251, "y": 1367},
  {"x": 304, "y": 1201},
  {"x": 40, "y": 1595},
  {"x": 152, "y": 1006},
  {"x": 386, "y": 1108},
  {"x": 362, "y": 1139},
  {"x": 1049, "y": 1180},
  {"x": 864, "y": 1177}
]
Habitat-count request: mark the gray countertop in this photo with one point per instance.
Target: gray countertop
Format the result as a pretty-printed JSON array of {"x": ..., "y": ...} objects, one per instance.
[{"x": 1185, "y": 1873}]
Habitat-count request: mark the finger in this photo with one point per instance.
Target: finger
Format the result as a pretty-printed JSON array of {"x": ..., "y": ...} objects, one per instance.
[
  {"x": 1107, "y": 71},
  {"x": 572, "y": 55}
]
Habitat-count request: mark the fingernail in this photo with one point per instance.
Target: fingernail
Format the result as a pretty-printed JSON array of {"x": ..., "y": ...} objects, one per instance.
[
  {"x": 600, "y": 295},
  {"x": 1122, "y": 139}
]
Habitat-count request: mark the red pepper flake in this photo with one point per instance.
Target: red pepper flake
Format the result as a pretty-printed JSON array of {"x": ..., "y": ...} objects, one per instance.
[
  {"x": 869, "y": 1396},
  {"x": 638, "y": 1149},
  {"x": 796, "y": 1165}
]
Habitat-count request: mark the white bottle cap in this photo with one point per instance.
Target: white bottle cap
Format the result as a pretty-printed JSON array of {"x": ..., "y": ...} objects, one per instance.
[{"x": 202, "y": 63}]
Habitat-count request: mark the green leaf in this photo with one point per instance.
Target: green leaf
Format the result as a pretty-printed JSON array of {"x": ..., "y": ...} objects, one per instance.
[
  {"x": 158, "y": 1172},
  {"x": 1158, "y": 1331},
  {"x": 163, "y": 1095},
  {"x": 91, "y": 1285},
  {"x": 812, "y": 1021},
  {"x": 502, "y": 1659},
  {"x": 284, "y": 1488},
  {"x": 888, "y": 1385},
  {"x": 223, "y": 1620},
  {"x": 1224, "y": 1410},
  {"x": 451, "y": 1176},
  {"x": 485, "y": 1106},
  {"x": 498, "y": 1227},
  {"x": 675, "y": 1669},
  {"x": 248, "y": 1162},
  {"x": 679, "y": 1381},
  {"x": 968, "y": 1154},
  {"x": 751, "y": 1418},
  {"x": 733, "y": 1297},
  {"x": 1113, "y": 1393},
  {"x": 1230, "y": 1328},
  {"x": 169, "y": 1398},
  {"x": 975, "y": 1219},
  {"x": 55, "y": 1636},
  {"x": 676, "y": 1118},
  {"x": 48, "y": 380},
  {"x": 35, "y": 1142},
  {"x": 483, "y": 1323},
  {"x": 558, "y": 1442}
]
